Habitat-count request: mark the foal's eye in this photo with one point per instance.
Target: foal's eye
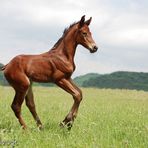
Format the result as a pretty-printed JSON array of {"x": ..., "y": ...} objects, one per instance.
[{"x": 84, "y": 34}]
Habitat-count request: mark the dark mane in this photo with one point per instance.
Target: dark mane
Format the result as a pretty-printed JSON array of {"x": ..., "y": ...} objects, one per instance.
[{"x": 66, "y": 30}]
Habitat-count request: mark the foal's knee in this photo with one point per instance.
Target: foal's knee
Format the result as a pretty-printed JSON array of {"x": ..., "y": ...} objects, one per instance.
[{"x": 78, "y": 96}]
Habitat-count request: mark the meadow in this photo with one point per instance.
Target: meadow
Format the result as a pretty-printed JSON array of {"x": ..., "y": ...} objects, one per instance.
[{"x": 106, "y": 119}]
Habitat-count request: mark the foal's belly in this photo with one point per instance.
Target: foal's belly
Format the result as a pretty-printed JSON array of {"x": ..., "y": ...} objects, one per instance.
[
  {"x": 46, "y": 76},
  {"x": 44, "y": 72},
  {"x": 40, "y": 77}
]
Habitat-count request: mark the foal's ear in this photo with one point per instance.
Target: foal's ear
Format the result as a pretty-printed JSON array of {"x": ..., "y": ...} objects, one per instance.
[
  {"x": 81, "y": 23},
  {"x": 88, "y": 21}
]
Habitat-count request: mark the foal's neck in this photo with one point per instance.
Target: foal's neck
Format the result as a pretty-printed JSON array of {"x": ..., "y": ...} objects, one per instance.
[
  {"x": 67, "y": 44},
  {"x": 70, "y": 44}
]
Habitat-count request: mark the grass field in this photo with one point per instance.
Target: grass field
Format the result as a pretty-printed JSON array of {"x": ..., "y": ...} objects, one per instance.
[{"x": 106, "y": 119}]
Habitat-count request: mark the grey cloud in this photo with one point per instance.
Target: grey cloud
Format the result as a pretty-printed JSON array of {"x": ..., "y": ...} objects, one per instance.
[{"x": 120, "y": 28}]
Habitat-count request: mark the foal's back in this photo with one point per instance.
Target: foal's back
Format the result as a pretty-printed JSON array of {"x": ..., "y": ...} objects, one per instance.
[{"x": 34, "y": 67}]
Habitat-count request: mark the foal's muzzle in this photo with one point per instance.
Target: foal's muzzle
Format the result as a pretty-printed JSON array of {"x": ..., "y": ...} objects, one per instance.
[{"x": 94, "y": 49}]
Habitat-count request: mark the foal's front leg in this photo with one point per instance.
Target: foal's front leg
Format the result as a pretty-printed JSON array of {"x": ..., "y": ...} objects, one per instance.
[{"x": 71, "y": 88}]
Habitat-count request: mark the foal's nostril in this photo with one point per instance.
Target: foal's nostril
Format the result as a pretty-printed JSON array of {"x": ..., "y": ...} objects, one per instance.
[{"x": 95, "y": 48}]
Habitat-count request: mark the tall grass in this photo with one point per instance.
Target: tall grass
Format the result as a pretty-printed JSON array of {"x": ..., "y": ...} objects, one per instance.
[{"x": 106, "y": 119}]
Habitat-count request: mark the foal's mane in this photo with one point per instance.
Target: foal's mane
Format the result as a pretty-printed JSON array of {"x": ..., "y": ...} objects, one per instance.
[{"x": 66, "y": 30}]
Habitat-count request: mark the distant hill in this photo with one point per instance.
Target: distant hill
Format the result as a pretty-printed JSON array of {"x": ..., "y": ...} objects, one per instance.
[
  {"x": 121, "y": 80},
  {"x": 81, "y": 79},
  {"x": 1, "y": 65},
  {"x": 2, "y": 79}
]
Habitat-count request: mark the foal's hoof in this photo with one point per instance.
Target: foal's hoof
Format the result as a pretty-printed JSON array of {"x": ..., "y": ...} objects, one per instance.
[
  {"x": 40, "y": 127},
  {"x": 69, "y": 125},
  {"x": 62, "y": 124},
  {"x": 24, "y": 127}
]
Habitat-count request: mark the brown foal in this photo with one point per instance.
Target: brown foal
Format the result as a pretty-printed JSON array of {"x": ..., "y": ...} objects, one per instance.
[{"x": 56, "y": 66}]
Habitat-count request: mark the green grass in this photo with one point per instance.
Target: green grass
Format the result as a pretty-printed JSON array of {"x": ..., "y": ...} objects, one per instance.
[{"x": 107, "y": 119}]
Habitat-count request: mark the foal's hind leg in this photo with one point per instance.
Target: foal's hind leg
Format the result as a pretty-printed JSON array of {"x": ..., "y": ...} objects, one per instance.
[
  {"x": 20, "y": 83},
  {"x": 31, "y": 105},
  {"x": 16, "y": 107}
]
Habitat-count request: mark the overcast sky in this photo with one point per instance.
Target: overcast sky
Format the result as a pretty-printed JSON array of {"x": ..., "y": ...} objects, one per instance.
[{"x": 119, "y": 27}]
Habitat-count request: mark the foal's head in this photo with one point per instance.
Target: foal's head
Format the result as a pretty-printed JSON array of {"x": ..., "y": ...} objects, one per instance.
[{"x": 84, "y": 36}]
